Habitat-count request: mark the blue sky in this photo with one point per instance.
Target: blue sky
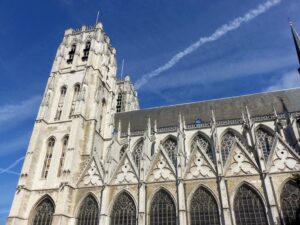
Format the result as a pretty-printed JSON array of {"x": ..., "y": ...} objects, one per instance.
[{"x": 259, "y": 56}]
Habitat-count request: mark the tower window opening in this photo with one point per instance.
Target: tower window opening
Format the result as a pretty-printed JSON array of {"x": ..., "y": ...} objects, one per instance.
[
  {"x": 71, "y": 54},
  {"x": 63, "y": 92},
  {"x": 47, "y": 161},
  {"x": 63, "y": 155},
  {"x": 86, "y": 51},
  {"x": 119, "y": 102},
  {"x": 75, "y": 98}
]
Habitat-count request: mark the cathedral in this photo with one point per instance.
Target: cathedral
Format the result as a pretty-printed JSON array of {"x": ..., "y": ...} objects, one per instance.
[{"x": 95, "y": 158}]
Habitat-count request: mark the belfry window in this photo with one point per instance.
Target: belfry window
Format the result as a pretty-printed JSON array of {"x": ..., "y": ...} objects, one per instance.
[
  {"x": 75, "y": 98},
  {"x": 43, "y": 213},
  {"x": 47, "y": 161},
  {"x": 163, "y": 211},
  {"x": 137, "y": 153},
  {"x": 89, "y": 212},
  {"x": 290, "y": 202},
  {"x": 265, "y": 140},
  {"x": 71, "y": 54},
  {"x": 63, "y": 92},
  {"x": 204, "y": 208},
  {"x": 124, "y": 211},
  {"x": 63, "y": 155},
  {"x": 170, "y": 146},
  {"x": 86, "y": 51},
  {"x": 248, "y": 207},
  {"x": 119, "y": 102}
]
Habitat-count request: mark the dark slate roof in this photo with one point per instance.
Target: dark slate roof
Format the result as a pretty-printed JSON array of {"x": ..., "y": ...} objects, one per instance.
[{"x": 225, "y": 109}]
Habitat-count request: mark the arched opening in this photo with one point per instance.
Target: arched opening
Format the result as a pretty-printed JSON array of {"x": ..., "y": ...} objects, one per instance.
[
  {"x": 71, "y": 54},
  {"x": 265, "y": 140},
  {"x": 205, "y": 145},
  {"x": 86, "y": 51},
  {"x": 89, "y": 212},
  {"x": 137, "y": 152},
  {"x": 63, "y": 154},
  {"x": 163, "y": 210},
  {"x": 122, "y": 151},
  {"x": 170, "y": 146},
  {"x": 119, "y": 107},
  {"x": 75, "y": 98},
  {"x": 249, "y": 207},
  {"x": 48, "y": 157},
  {"x": 124, "y": 211},
  {"x": 290, "y": 202},
  {"x": 204, "y": 208},
  {"x": 43, "y": 213}
]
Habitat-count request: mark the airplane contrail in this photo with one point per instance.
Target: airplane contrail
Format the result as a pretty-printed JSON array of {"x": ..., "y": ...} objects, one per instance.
[
  {"x": 7, "y": 170},
  {"x": 220, "y": 32}
]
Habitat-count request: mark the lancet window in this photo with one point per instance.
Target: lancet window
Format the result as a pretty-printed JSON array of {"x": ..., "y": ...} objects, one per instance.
[
  {"x": 204, "y": 144},
  {"x": 290, "y": 202},
  {"x": 204, "y": 208},
  {"x": 119, "y": 103},
  {"x": 163, "y": 211},
  {"x": 86, "y": 51},
  {"x": 227, "y": 144},
  {"x": 137, "y": 153},
  {"x": 248, "y": 207},
  {"x": 63, "y": 155},
  {"x": 89, "y": 212},
  {"x": 122, "y": 151},
  {"x": 63, "y": 92},
  {"x": 124, "y": 211},
  {"x": 75, "y": 98},
  {"x": 170, "y": 146},
  {"x": 43, "y": 213},
  {"x": 71, "y": 54},
  {"x": 265, "y": 140},
  {"x": 48, "y": 157},
  {"x": 152, "y": 148}
]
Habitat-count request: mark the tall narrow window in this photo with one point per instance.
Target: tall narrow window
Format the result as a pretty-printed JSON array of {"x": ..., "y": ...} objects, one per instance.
[
  {"x": 248, "y": 207},
  {"x": 71, "y": 54},
  {"x": 137, "y": 153},
  {"x": 227, "y": 144},
  {"x": 47, "y": 161},
  {"x": 89, "y": 212},
  {"x": 290, "y": 202},
  {"x": 102, "y": 116},
  {"x": 63, "y": 155},
  {"x": 205, "y": 145},
  {"x": 170, "y": 146},
  {"x": 75, "y": 98},
  {"x": 43, "y": 213},
  {"x": 86, "y": 51},
  {"x": 61, "y": 100},
  {"x": 163, "y": 211},
  {"x": 119, "y": 102},
  {"x": 122, "y": 151},
  {"x": 265, "y": 140},
  {"x": 124, "y": 211},
  {"x": 204, "y": 208}
]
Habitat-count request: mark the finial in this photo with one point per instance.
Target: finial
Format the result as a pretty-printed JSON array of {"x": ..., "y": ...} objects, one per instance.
[{"x": 97, "y": 17}]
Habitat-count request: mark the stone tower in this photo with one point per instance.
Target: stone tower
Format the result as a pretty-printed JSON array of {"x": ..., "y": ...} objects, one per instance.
[{"x": 74, "y": 122}]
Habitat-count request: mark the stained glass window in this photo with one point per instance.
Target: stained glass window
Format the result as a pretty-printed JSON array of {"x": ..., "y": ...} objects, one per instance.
[
  {"x": 124, "y": 211},
  {"x": 265, "y": 140},
  {"x": 204, "y": 208},
  {"x": 43, "y": 213},
  {"x": 163, "y": 211},
  {"x": 205, "y": 145},
  {"x": 170, "y": 146},
  {"x": 89, "y": 212},
  {"x": 249, "y": 208},
  {"x": 290, "y": 202}
]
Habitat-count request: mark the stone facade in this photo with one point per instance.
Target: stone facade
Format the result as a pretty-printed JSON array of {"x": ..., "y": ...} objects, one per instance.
[{"x": 90, "y": 140}]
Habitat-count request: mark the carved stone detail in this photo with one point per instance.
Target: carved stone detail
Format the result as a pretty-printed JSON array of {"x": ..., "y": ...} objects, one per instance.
[
  {"x": 200, "y": 167},
  {"x": 126, "y": 174},
  {"x": 161, "y": 171},
  {"x": 92, "y": 176}
]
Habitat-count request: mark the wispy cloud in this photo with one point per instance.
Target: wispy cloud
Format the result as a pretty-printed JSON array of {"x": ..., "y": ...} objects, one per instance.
[
  {"x": 8, "y": 169},
  {"x": 220, "y": 32},
  {"x": 288, "y": 80}
]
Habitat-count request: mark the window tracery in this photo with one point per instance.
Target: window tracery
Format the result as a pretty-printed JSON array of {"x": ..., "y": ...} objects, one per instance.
[
  {"x": 124, "y": 211},
  {"x": 47, "y": 161},
  {"x": 137, "y": 153},
  {"x": 205, "y": 145},
  {"x": 43, "y": 214},
  {"x": 63, "y": 155},
  {"x": 89, "y": 212},
  {"x": 120, "y": 102},
  {"x": 290, "y": 202},
  {"x": 227, "y": 144},
  {"x": 122, "y": 151},
  {"x": 265, "y": 140},
  {"x": 63, "y": 92},
  {"x": 204, "y": 208},
  {"x": 170, "y": 146},
  {"x": 163, "y": 210},
  {"x": 71, "y": 54},
  {"x": 248, "y": 207},
  {"x": 75, "y": 98}
]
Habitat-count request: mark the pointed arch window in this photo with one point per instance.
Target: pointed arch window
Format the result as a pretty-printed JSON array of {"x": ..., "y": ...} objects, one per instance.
[
  {"x": 47, "y": 161},
  {"x": 122, "y": 151},
  {"x": 228, "y": 142},
  {"x": 204, "y": 208},
  {"x": 43, "y": 213},
  {"x": 102, "y": 116},
  {"x": 152, "y": 148},
  {"x": 63, "y": 155},
  {"x": 86, "y": 51},
  {"x": 265, "y": 140},
  {"x": 119, "y": 103},
  {"x": 89, "y": 212},
  {"x": 124, "y": 211},
  {"x": 75, "y": 98},
  {"x": 163, "y": 210},
  {"x": 61, "y": 100},
  {"x": 71, "y": 54},
  {"x": 290, "y": 202},
  {"x": 170, "y": 146},
  {"x": 205, "y": 145},
  {"x": 137, "y": 153},
  {"x": 249, "y": 207}
]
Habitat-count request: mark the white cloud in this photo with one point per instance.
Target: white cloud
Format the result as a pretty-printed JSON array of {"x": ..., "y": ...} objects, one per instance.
[{"x": 288, "y": 80}]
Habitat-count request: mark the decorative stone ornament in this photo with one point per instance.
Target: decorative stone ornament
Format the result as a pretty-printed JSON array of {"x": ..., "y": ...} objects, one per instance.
[
  {"x": 92, "y": 176},
  {"x": 126, "y": 174}
]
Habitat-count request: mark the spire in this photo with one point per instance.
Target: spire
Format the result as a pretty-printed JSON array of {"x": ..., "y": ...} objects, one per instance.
[{"x": 296, "y": 42}]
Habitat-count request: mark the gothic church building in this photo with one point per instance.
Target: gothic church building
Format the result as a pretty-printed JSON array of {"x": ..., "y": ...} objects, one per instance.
[{"x": 95, "y": 158}]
